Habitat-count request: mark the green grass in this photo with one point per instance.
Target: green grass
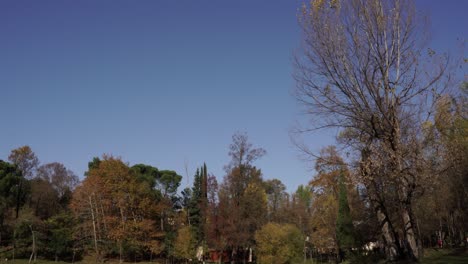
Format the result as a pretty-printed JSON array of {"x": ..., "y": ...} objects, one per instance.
[
  {"x": 431, "y": 256},
  {"x": 41, "y": 261},
  {"x": 445, "y": 256}
]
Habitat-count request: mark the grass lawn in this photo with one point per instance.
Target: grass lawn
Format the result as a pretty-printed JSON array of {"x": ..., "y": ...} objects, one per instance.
[
  {"x": 445, "y": 256},
  {"x": 432, "y": 256}
]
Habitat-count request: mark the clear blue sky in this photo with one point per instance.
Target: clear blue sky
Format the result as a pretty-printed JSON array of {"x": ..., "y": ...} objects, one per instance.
[{"x": 161, "y": 82}]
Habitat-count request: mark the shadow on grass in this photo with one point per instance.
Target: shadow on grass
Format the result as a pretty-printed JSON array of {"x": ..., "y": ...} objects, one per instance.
[{"x": 445, "y": 256}]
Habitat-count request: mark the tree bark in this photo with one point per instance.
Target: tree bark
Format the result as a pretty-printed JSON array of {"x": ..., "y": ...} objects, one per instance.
[
  {"x": 94, "y": 225},
  {"x": 392, "y": 246},
  {"x": 33, "y": 251}
]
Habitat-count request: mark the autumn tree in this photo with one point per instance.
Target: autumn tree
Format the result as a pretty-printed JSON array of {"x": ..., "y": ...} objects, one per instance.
[
  {"x": 62, "y": 180},
  {"x": 44, "y": 199},
  {"x": 276, "y": 193},
  {"x": 299, "y": 209},
  {"x": 212, "y": 232},
  {"x": 325, "y": 191},
  {"x": 25, "y": 159},
  {"x": 27, "y": 162},
  {"x": 363, "y": 69},
  {"x": 441, "y": 210},
  {"x": 242, "y": 198},
  {"x": 113, "y": 206},
  {"x": 279, "y": 244},
  {"x": 183, "y": 246}
]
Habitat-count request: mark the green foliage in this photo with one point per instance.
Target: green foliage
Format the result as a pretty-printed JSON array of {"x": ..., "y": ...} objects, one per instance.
[
  {"x": 198, "y": 205},
  {"x": 169, "y": 182},
  {"x": 183, "y": 246},
  {"x": 10, "y": 180},
  {"x": 148, "y": 175},
  {"x": 279, "y": 244},
  {"x": 94, "y": 164},
  {"x": 59, "y": 239},
  {"x": 14, "y": 190},
  {"x": 344, "y": 224}
]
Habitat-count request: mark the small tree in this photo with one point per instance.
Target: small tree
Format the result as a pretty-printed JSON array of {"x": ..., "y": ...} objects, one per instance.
[
  {"x": 183, "y": 246},
  {"x": 279, "y": 244}
]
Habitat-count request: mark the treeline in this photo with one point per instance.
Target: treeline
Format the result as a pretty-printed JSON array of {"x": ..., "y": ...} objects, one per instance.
[
  {"x": 136, "y": 213},
  {"x": 397, "y": 179}
]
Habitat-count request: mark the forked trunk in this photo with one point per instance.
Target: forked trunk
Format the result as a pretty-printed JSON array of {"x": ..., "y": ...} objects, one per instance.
[
  {"x": 392, "y": 247},
  {"x": 412, "y": 246}
]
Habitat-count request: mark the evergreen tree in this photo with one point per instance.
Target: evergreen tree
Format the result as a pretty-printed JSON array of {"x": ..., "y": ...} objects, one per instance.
[
  {"x": 198, "y": 205},
  {"x": 345, "y": 233}
]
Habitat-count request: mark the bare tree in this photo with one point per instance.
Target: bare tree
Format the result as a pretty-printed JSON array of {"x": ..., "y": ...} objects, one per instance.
[
  {"x": 364, "y": 68},
  {"x": 59, "y": 177}
]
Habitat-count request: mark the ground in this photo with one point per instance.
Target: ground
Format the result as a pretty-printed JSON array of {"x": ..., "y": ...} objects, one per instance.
[
  {"x": 432, "y": 256},
  {"x": 445, "y": 256}
]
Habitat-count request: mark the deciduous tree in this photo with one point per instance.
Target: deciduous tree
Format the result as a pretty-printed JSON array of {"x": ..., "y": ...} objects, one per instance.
[
  {"x": 364, "y": 68},
  {"x": 279, "y": 243}
]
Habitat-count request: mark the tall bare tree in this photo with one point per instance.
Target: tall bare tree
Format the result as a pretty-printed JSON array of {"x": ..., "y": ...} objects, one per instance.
[{"x": 364, "y": 68}]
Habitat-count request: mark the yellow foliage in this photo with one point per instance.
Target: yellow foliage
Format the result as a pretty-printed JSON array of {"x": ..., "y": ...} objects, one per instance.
[{"x": 278, "y": 244}]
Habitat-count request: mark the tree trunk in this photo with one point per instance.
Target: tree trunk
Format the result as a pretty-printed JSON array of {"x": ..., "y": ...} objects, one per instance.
[
  {"x": 94, "y": 225},
  {"x": 18, "y": 198},
  {"x": 33, "y": 251},
  {"x": 390, "y": 238},
  {"x": 404, "y": 193},
  {"x": 391, "y": 244},
  {"x": 411, "y": 236},
  {"x": 120, "y": 251}
]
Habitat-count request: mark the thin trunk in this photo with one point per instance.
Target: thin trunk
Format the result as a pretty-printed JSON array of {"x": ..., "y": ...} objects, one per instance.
[
  {"x": 18, "y": 198},
  {"x": 33, "y": 251},
  {"x": 120, "y": 251},
  {"x": 162, "y": 222},
  {"x": 94, "y": 226},
  {"x": 103, "y": 218}
]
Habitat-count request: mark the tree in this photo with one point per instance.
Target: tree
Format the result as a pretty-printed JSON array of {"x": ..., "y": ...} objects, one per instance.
[
  {"x": 325, "y": 191},
  {"x": 44, "y": 200},
  {"x": 183, "y": 248},
  {"x": 213, "y": 222},
  {"x": 27, "y": 162},
  {"x": 13, "y": 194},
  {"x": 345, "y": 233},
  {"x": 276, "y": 191},
  {"x": 25, "y": 159},
  {"x": 198, "y": 206},
  {"x": 62, "y": 180},
  {"x": 115, "y": 207},
  {"x": 242, "y": 198},
  {"x": 59, "y": 237},
  {"x": 300, "y": 209},
  {"x": 279, "y": 244},
  {"x": 442, "y": 209},
  {"x": 362, "y": 70}
]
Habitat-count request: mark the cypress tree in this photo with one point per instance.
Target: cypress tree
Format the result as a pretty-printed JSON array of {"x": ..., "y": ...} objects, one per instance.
[
  {"x": 198, "y": 205},
  {"x": 344, "y": 225}
]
